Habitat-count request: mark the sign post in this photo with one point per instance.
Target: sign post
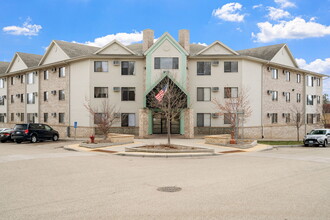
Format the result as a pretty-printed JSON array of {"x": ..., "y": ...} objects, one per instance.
[{"x": 75, "y": 125}]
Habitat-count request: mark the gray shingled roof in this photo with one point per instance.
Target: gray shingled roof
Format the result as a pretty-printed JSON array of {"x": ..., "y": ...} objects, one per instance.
[
  {"x": 136, "y": 48},
  {"x": 266, "y": 52},
  {"x": 75, "y": 49},
  {"x": 195, "y": 48},
  {"x": 3, "y": 67},
  {"x": 31, "y": 60}
]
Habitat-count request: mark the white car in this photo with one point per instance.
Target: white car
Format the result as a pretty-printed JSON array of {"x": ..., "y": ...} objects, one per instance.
[{"x": 317, "y": 137}]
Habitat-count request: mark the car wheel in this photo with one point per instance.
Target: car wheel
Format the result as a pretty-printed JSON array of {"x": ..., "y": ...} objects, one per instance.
[
  {"x": 34, "y": 139},
  {"x": 3, "y": 141},
  {"x": 325, "y": 143},
  {"x": 18, "y": 142},
  {"x": 55, "y": 137}
]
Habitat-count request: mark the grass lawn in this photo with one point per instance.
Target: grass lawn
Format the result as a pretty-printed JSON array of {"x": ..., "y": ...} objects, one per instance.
[{"x": 281, "y": 142}]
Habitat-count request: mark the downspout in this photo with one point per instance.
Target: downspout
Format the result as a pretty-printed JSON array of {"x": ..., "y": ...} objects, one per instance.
[
  {"x": 69, "y": 97},
  {"x": 262, "y": 99},
  {"x": 304, "y": 102}
]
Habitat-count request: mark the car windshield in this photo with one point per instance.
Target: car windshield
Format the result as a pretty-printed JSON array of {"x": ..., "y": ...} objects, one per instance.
[
  {"x": 318, "y": 132},
  {"x": 20, "y": 127}
]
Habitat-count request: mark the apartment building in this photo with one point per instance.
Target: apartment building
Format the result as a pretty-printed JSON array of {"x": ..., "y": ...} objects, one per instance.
[{"x": 55, "y": 87}]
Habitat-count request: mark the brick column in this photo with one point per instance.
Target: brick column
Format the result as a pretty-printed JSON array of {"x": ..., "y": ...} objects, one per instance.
[
  {"x": 143, "y": 122},
  {"x": 189, "y": 123}
]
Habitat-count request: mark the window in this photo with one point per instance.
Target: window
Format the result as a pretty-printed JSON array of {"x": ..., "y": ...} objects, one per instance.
[
  {"x": 275, "y": 95},
  {"x": 98, "y": 118},
  {"x": 100, "y": 92},
  {"x": 231, "y": 66},
  {"x": 287, "y": 97},
  {"x": 61, "y": 118},
  {"x": 298, "y": 117},
  {"x": 30, "y": 117},
  {"x": 128, "y": 120},
  {"x": 2, "y": 83},
  {"x": 127, "y": 93},
  {"x": 22, "y": 98},
  {"x": 11, "y": 116},
  {"x": 309, "y": 118},
  {"x": 287, "y": 117},
  {"x": 166, "y": 63},
  {"x": 22, "y": 79},
  {"x": 46, "y": 76},
  {"x": 2, "y": 117},
  {"x": 298, "y": 78},
  {"x": 45, "y": 117},
  {"x": 310, "y": 81},
  {"x": 203, "y": 120},
  {"x": 127, "y": 67},
  {"x": 45, "y": 96},
  {"x": 203, "y": 68},
  {"x": 298, "y": 97},
  {"x": 318, "y": 117},
  {"x": 227, "y": 118},
  {"x": 231, "y": 92},
  {"x": 287, "y": 76},
  {"x": 12, "y": 80},
  {"x": 318, "y": 99},
  {"x": 310, "y": 100},
  {"x": 11, "y": 98},
  {"x": 274, "y": 73},
  {"x": 30, "y": 97},
  {"x": 274, "y": 118},
  {"x": 22, "y": 117},
  {"x": 61, "y": 95},
  {"x": 61, "y": 72},
  {"x": 2, "y": 100},
  {"x": 100, "y": 66},
  {"x": 203, "y": 94},
  {"x": 318, "y": 81},
  {"x": 30, "y": 78}
]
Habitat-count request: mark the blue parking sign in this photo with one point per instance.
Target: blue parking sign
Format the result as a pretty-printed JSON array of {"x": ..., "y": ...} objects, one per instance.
[{"x": 75, "y": 124}]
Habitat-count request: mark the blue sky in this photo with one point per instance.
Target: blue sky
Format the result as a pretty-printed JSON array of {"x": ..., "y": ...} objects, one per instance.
[{"x": 29, "y": 26}]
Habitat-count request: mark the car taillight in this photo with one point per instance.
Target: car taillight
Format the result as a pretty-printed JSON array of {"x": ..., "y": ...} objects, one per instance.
[
  {"x": 26, "y": 131},
  {"x": 7, "y": 134}
]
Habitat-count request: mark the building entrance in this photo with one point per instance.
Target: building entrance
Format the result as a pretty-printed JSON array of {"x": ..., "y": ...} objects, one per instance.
[{"x": 159, "y": 125}]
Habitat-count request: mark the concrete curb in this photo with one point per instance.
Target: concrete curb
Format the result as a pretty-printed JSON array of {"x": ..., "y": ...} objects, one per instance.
[{"x": 165, "y": 155}]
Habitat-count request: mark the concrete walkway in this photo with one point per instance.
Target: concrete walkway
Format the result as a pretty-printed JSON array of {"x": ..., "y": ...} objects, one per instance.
[{"x": 120, "y": 149}]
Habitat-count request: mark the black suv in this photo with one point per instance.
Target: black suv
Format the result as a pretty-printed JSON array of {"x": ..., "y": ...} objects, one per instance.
[{"x": 34, "y": 132}]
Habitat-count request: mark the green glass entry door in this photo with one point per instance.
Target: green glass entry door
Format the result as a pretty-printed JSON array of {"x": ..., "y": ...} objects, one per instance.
[{"x": 159, "y": 125}]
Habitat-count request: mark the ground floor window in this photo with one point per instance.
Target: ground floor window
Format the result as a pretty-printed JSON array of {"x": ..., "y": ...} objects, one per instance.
[
  {"x": 45, "y": 117},
  {"x": 274, "y": 118},
  {"x": 227, "y": 118},
  {"x": 30, "y": 117},
  {"x": 2, "y": 117},
  {"x": 128, "y": 120},
  {"x": 61, "y": 118},
  {"x": 22, "y": 117},
  {"x": 203, "y": 119},
  {"x": 309, "y": 118}
]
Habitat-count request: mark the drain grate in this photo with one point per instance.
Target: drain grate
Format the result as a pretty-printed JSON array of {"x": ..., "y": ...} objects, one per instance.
[{"x": 169, "y": 189}]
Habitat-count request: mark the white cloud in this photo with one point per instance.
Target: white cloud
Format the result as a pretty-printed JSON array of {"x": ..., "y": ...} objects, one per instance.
[
  {"x": 297, "y": 28},
  {"x": 229, "y": 12},
  {"x": 199, "y": 43},
  {"x": 27, "y": 29},
  {"x": 124, "y": 38},
  {"x": 285, "y": 3},
  {"x": 319, "y": 66},
  {"x": 257, "y": 6},
  {"x": 276, "y": 13}
]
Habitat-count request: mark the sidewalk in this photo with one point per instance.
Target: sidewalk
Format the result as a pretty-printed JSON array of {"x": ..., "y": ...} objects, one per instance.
[{"x": 120, "y": 149}]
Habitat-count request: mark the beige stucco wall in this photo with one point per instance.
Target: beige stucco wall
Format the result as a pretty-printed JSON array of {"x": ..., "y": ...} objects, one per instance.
[
  {"x": 217, "y": 49},
  {"x": 17, "y": 65},
  {"x": 55, "y": 54},
  {"x": 114, "y": 49},
  {"x": 218, "y": 78},
  {"x": 283, "y": 57}
]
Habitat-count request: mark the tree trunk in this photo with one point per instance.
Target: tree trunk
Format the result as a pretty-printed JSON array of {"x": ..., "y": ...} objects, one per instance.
[
  {"x": 297, "y": 134},
  {"x": 168, "y": 122}
]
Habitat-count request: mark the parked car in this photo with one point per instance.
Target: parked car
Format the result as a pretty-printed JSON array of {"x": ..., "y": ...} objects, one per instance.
[
  {"x": 34, "y": 132},
  {"x": 317, "y": 137},
  {"x": 5, "y": 135}
]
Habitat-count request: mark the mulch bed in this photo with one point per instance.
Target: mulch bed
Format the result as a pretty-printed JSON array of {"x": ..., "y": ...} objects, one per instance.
[{"x": 167, "y": 147}]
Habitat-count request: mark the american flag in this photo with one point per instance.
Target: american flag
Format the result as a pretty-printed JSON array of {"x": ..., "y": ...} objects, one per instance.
[{"x": 161, "y": 94}]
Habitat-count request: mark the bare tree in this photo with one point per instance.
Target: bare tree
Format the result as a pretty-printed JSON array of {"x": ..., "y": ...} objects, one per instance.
[
  {"x": 325, "y": 118},
  {"x": 168, "y": 98},
  {"x": 103, "y": 116},
  {"x": 236, "y": 104},
  {"x": 297, "y": 118}
]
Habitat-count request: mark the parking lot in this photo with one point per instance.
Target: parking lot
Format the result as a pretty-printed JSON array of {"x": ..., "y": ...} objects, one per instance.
[{"x": 47, "y": 181}]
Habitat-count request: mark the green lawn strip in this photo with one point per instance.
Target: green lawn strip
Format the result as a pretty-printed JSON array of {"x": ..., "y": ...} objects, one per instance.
[{"x": 281, "y": 142}]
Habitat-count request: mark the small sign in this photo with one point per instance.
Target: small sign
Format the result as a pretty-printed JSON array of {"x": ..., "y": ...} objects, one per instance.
[{"x": 75, "y": 124}]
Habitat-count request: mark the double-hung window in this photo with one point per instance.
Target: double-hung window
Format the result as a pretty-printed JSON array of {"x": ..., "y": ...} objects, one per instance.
[
  {"x": 274, "y": 95},
  {"x": 203, "y": 68},
  {"x": 310, "y": 118},
  {"x": 287, "y": 76},
  {"x": 46, "y": 75},
  {"x": 298, "y": 78},
  {"x": 2, "y": 83},
  {"x": 30, "y": 78},
  {"x": 231, "y": 66},
  {"x": 2, "y": 100},
  {"x": 128, "y": 94},
  {"x": 318, "y": 99},
  {"x": 128, "y": 120},
  {"x": 61, "y": 72},
  {"x": 318, "y": 81},
  {"x": 45, "y": 117},
  {"x": 274, "y": 73},
  {"x": 310, "y": 100},
  {"x": 45, "y": 96},
  {"x": 231, "y": 92},
  {"x": 274, "y": 118},
  {"x": 100, "y": 66},
  {"x": 127, "y": 67},
  {"x": 287, "y": 97},
  {"x": 298, "y": 97},
  {"x": 227, "y": 118},
  {"x": 203, "y": 119},
  {"x": 166, "y": 63},
  {"x": 203, "y": 94},
  {"x": 100, "y": 92},
  {"x": 22, "y": 98},
  {"x": 61, "y": 95},
  {"x": 310, "y": 82},
  {"x": 61, "y": 118},
  {"x": 30, "y": 98}
]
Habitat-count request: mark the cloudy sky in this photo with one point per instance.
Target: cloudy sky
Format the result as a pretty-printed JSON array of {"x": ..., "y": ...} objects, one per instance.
[{"x": 29, "y": 26}]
